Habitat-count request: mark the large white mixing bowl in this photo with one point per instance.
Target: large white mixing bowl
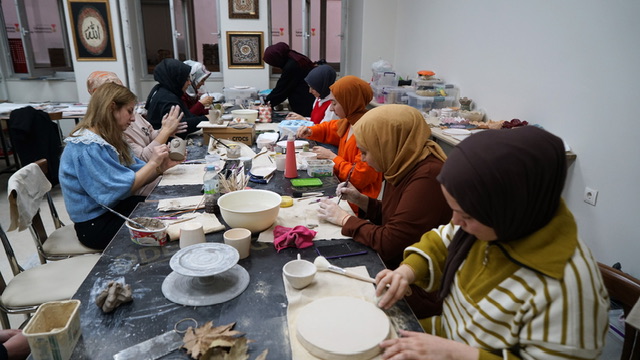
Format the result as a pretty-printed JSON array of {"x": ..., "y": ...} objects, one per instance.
[{"x": 251, "y": 209}]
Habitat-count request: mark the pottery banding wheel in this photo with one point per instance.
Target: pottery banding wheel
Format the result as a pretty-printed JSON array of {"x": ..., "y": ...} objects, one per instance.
[
  {"x": 205, "y": 274},
  {"x": 342, "y": 328}
]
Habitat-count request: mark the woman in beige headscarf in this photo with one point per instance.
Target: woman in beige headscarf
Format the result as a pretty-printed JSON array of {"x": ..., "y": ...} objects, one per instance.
[{"x": 394, "y": 140}]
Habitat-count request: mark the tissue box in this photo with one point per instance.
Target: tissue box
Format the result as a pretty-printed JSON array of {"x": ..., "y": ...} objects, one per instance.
[
  {"x": 319, "y": 168},
  {"x": 54, "y": 330}
]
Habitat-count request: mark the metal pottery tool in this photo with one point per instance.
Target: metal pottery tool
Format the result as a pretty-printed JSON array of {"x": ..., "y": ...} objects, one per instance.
[
  {"x": 156, "y": 347},
  {"x": 346, "y": 182},
  {"x": 137, "y": 224}
]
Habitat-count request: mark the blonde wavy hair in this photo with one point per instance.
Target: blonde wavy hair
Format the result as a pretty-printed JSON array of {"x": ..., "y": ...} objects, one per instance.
[{"x": 107, "y": 99}]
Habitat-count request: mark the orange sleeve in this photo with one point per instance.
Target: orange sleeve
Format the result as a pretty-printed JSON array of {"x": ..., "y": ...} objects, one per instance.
[
  {"x": 364, "y": 177},
  {"x": 326, "y": 132}
]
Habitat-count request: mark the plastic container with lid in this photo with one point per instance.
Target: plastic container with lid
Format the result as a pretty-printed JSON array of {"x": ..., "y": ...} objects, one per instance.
[
  {"x": 211, "y": 188},
  {"x": 426, "y": 103}
]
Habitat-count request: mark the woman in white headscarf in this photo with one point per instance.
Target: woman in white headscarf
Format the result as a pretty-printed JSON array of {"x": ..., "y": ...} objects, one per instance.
[{"x": 192, "y": 97}]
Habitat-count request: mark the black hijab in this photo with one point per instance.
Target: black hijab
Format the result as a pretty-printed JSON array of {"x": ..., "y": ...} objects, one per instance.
[
  {"x": 510, "y": 180},
  {"x": 170, "y": 74},
  {"x": 320, "y": 79}
]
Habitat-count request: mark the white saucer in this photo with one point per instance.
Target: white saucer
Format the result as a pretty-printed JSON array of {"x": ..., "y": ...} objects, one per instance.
[
  {"x": 298, "y": 143},
  {"x": 204, "y": 259}
]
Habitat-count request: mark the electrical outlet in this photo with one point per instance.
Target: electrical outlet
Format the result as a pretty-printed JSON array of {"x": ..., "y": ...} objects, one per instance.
[{"x": 590, "y": 196}]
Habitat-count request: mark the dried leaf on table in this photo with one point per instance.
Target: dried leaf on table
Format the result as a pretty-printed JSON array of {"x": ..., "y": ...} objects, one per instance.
[
  {"x": 198, "y": 340},
  {"x": 263, "y": 356}
]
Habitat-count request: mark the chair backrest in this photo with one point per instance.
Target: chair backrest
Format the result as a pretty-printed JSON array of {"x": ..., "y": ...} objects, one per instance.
[
  {"x": 624, "y": 289},
  {"x": 11, "y": 257},
  {"x": 44, "y": 166}
]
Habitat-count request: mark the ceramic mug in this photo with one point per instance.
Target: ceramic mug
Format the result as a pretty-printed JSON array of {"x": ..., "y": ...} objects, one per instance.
[
  {"x": 191, "y": 233},
  {"x": 240, "y": 239},
  {"x": 177, "y": 149},
  {"x": 215, "y": 116}
]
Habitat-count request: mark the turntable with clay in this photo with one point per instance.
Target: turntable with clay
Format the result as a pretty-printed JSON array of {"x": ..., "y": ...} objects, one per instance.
[{"x": 205, "y": 274}]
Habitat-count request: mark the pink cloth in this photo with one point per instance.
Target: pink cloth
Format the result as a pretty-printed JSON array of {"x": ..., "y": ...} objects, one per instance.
[{"x": 300, "y": 237}]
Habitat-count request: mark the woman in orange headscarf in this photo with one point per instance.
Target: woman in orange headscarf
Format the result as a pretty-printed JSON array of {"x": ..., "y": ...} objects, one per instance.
[{"x": 349, "y": 98}]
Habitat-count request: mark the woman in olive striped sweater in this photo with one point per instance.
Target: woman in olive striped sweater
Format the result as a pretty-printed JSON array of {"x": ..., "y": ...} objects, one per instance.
[{"x": 515, "y": 280}]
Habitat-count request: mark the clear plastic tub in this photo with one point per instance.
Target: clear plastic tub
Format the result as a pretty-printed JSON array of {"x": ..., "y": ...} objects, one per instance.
[
  {"x": 320, "y": 168},
  {"x": 426, "y": 103}
]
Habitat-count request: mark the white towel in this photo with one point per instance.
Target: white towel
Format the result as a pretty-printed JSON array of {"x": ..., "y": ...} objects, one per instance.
[{"x": 25, "y": 191}]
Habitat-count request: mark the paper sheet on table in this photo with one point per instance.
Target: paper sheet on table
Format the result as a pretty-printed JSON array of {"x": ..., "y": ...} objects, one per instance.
[
  {"x": 305, "y": 212},
  {"x": 324, "y": 284},
  {"x": 181, "y": 203},
  {"x": 183, "y": 174},
  {"x": 267, "y": 126},
  {"x": 633, "y": 318},
  {"x": 210, "y": 223}
]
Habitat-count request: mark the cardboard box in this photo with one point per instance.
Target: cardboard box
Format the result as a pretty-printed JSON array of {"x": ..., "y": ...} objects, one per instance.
[
  {"x": 54, "y": 330},
  {"x": 246, "y": 135}
]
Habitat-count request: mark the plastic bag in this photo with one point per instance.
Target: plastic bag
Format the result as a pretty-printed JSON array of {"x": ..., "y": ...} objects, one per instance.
[{"x": 381, "y": 65}]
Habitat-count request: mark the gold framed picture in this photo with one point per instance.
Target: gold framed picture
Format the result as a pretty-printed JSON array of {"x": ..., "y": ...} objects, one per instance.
[
  {"x": 244, "y": 9},
  {"x": 91, "y": 28},
  {"x": 244, "y": 49}
]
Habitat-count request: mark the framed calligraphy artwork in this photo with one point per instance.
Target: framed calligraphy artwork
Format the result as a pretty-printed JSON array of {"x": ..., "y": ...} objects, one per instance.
[
  {"x": 244, "y": 49},
  {"x": 91, "y": 28},
  {"x": 244, "y": 9}
]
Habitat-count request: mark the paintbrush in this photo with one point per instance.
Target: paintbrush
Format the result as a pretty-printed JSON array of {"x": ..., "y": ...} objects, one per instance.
[
  {"x": 322, "y": 264},
  {"x": 346, "y": 182},
  {"x": 218, "y": 141}
]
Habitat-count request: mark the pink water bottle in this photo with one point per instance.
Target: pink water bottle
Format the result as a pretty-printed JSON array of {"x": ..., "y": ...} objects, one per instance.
[{"x": 290, "y": 168}]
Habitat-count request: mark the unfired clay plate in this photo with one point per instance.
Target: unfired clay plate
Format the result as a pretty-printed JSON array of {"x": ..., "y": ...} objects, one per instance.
[{"x": 204, "y": 259}]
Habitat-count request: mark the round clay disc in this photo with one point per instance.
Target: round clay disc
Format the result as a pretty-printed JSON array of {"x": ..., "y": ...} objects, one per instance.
[
  {"x": 342, "y": 327},
  {"x": 205, "y": 259}
]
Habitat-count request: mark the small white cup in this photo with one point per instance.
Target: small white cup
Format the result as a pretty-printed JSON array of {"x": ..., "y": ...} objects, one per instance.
[
  {"x": 240, "y": 239},
  {"x": 191, "y": 233},
  {"x": 299, "y": 273},
  {"x": 281, "y": 162}
]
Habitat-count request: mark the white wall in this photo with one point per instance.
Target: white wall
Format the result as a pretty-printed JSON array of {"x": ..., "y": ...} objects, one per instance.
[{"x": 570, "y": 66}]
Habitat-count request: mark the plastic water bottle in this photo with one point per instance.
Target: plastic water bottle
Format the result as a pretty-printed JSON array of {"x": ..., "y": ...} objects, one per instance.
[{"x": 211, "y": 188}]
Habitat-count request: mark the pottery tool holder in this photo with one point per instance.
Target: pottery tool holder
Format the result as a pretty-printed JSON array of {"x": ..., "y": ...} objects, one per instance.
[{"x": 205, "y": 274}]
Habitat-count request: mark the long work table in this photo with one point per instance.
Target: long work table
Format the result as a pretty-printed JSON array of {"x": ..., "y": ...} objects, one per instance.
[{"x": 260, "y": 311}]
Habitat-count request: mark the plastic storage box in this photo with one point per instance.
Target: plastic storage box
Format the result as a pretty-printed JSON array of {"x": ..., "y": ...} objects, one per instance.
[
  {"x": 426, "y": 103},
  {"x": 291, "y": 126},
  {"x": 384, "y": 94},
  {"x": 54, "y": 330},
  {"x": 240, "y": 93},
  {"x": 320, "y": 168}
]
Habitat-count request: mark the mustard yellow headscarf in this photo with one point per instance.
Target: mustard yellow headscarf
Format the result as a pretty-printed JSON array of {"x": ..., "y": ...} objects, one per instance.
[
  {"x": 397, "y": 137},
  {"x": 353, "y": 94}
]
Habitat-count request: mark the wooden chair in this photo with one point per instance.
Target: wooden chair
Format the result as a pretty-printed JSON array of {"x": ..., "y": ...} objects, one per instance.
[
  {"x": 60, "y": 243},
  {"x": 57, "y": 280},
  {"x": 624, "y": 289}
]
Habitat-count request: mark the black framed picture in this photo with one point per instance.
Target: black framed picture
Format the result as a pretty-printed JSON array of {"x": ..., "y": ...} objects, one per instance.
[
  {"x": 244, "y": 9},
  {"x": 92, "y": 32},
  {"x": 245, "y": 49}
]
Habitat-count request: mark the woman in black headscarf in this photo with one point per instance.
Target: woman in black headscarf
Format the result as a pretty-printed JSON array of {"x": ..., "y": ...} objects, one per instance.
[
  {"x": 291, "y": 84},
  {"x": 514, "y": 278},
  {"x": 319, "y": 80},
  {"x": 173, "y": 80}
]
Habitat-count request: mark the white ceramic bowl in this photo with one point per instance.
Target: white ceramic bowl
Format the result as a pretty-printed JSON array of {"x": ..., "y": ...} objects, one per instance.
[
  {"x": 251, "y": 209},
  {"x": 157, "y": 237},
  {"x": 249, "y": 114},
  {"x": 299, "y": 273}
]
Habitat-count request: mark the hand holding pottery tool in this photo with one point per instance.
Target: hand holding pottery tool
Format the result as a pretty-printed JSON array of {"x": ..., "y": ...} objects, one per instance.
[
  {"x": 346, "y": 182},
  {"x": 322, "y": 264}
]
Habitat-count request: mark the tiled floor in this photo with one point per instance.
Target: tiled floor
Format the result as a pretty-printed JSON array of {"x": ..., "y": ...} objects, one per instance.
[{"x": 25, "y": 250}]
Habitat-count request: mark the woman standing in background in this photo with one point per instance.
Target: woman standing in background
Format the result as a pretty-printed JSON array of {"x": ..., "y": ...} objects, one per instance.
[{"x": 291, "y": 84}]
